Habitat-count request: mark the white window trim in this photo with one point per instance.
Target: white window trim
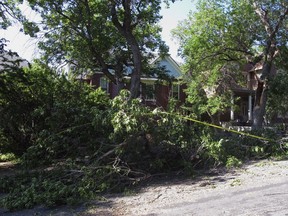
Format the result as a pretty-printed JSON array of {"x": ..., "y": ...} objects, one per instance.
[
  {"x": 154, "y": 93},
  {"x": 178, "y": 91}
]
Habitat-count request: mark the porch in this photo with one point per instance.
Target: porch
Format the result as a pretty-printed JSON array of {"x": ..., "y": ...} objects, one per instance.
[{"x": 241, "y": 112}]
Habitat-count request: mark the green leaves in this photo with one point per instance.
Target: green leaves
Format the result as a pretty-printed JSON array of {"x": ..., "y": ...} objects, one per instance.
[
  {"x": 84, "y": 33},
  {"x": 128, "y": 118},
  {"x": 215, "y": 34},
  {"x": 277, "y": 102},
  {"x": 83, "y": 143},
  {"x": 221, "y": 37}
]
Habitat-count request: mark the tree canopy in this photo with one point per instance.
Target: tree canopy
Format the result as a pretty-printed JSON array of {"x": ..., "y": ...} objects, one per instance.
[
  {"x": 102, "y": 35},
  {"x": 230, "y": 33}
]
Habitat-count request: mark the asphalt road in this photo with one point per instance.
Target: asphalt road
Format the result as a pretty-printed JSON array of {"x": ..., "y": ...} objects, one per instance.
[
  {"x": 270, "y": 199},
  {"x": 257, "y": 189}
]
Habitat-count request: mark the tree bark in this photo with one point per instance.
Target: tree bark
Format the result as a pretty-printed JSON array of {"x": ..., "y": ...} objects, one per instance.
[
  {"x": 136, "y": 75},
  {"x": 260, "y": 108},
  {"x": 261, "y": 96},
  {"x": 126, "y": 29}
]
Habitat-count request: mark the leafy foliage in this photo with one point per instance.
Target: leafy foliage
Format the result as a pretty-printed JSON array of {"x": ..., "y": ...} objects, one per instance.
[
  {"x": 221, "y": 37},
  {"x": 79, "y": 143},
  {"x": 95, "y": 144},
  {"x": 102, "y": 36},
  {"x": 10, "y": 13},
  {"x": 7, "y": 157},
  {"x": 277, "y": 103}
]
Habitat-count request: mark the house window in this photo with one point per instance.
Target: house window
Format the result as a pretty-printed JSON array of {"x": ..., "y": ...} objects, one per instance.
[
  {"x": 175, "y": 91},
  {"x": 104, "y": 84},
  {"x": 150, "y": 92}
]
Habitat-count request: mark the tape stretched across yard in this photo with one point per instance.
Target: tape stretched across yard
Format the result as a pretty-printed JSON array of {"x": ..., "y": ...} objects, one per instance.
[{"x": 219, "y": 127}]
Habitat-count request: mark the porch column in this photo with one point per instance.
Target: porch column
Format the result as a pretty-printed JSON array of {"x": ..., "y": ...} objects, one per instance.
[
  {"x": 250, "y": 112},
  {"x": 232, "y": 109}
]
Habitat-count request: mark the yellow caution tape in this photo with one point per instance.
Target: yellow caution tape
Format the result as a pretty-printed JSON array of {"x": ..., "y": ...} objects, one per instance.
[{"x": 219, "y": 127}]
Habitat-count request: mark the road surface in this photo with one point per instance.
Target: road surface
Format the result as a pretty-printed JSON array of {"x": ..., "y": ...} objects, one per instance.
[{"x": 259, "y": 188}]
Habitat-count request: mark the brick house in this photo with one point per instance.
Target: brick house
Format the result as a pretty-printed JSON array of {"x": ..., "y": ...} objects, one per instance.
[
  {"x": 244, "y": 96},
  {"x": 153, "y": 92}
]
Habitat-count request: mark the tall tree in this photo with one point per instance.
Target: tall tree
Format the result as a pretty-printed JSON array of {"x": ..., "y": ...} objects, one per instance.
[
  {"x": 227, "y": 34},
  {"x": 274, "y": 18},
  {"x": 214, "y": 44},
  {"x": 102, "y": 35}
]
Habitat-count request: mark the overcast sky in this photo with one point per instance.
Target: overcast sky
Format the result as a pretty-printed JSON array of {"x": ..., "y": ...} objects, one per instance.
[{"x": 25, "y": 46}]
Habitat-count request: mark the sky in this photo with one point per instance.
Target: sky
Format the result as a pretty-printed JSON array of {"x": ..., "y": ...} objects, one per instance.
[
  {"x": 171, "y": 17},
  {"x": 178, "y": 11}
]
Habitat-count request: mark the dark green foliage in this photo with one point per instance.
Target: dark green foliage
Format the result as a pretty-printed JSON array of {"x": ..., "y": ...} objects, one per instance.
[
  {"x": 48, "y": 188},
  {"x": 16, "y": 106},
  {"x": 77, "y": 123},
  {"x": 223, "y": 147},
  {"x": 80, "y": 143},
  {"x": 277, "y": 102},
  {"x": 156, "y": 140}
]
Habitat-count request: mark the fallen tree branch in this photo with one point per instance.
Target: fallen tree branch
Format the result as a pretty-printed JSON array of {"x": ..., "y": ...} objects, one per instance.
[{"x": 111, "y": 151}]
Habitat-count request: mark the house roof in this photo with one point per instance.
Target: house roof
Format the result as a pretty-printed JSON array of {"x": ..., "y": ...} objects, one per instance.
[{"x": 170, "y": 65}]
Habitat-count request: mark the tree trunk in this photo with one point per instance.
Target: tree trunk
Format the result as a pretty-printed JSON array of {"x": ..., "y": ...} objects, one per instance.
[
  {"x": 260, "y": 110},
  {"x": 136, "y": 75},
  {"x": 261, "y": 97},
  {"x": 126, "y": 29}
]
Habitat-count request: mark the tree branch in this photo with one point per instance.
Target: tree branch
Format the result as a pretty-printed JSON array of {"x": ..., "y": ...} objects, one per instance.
[
  {"x": 115, "y": 19},
  {"x": 280, "y": 21},
  {"x": 264, "y": 17}
]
